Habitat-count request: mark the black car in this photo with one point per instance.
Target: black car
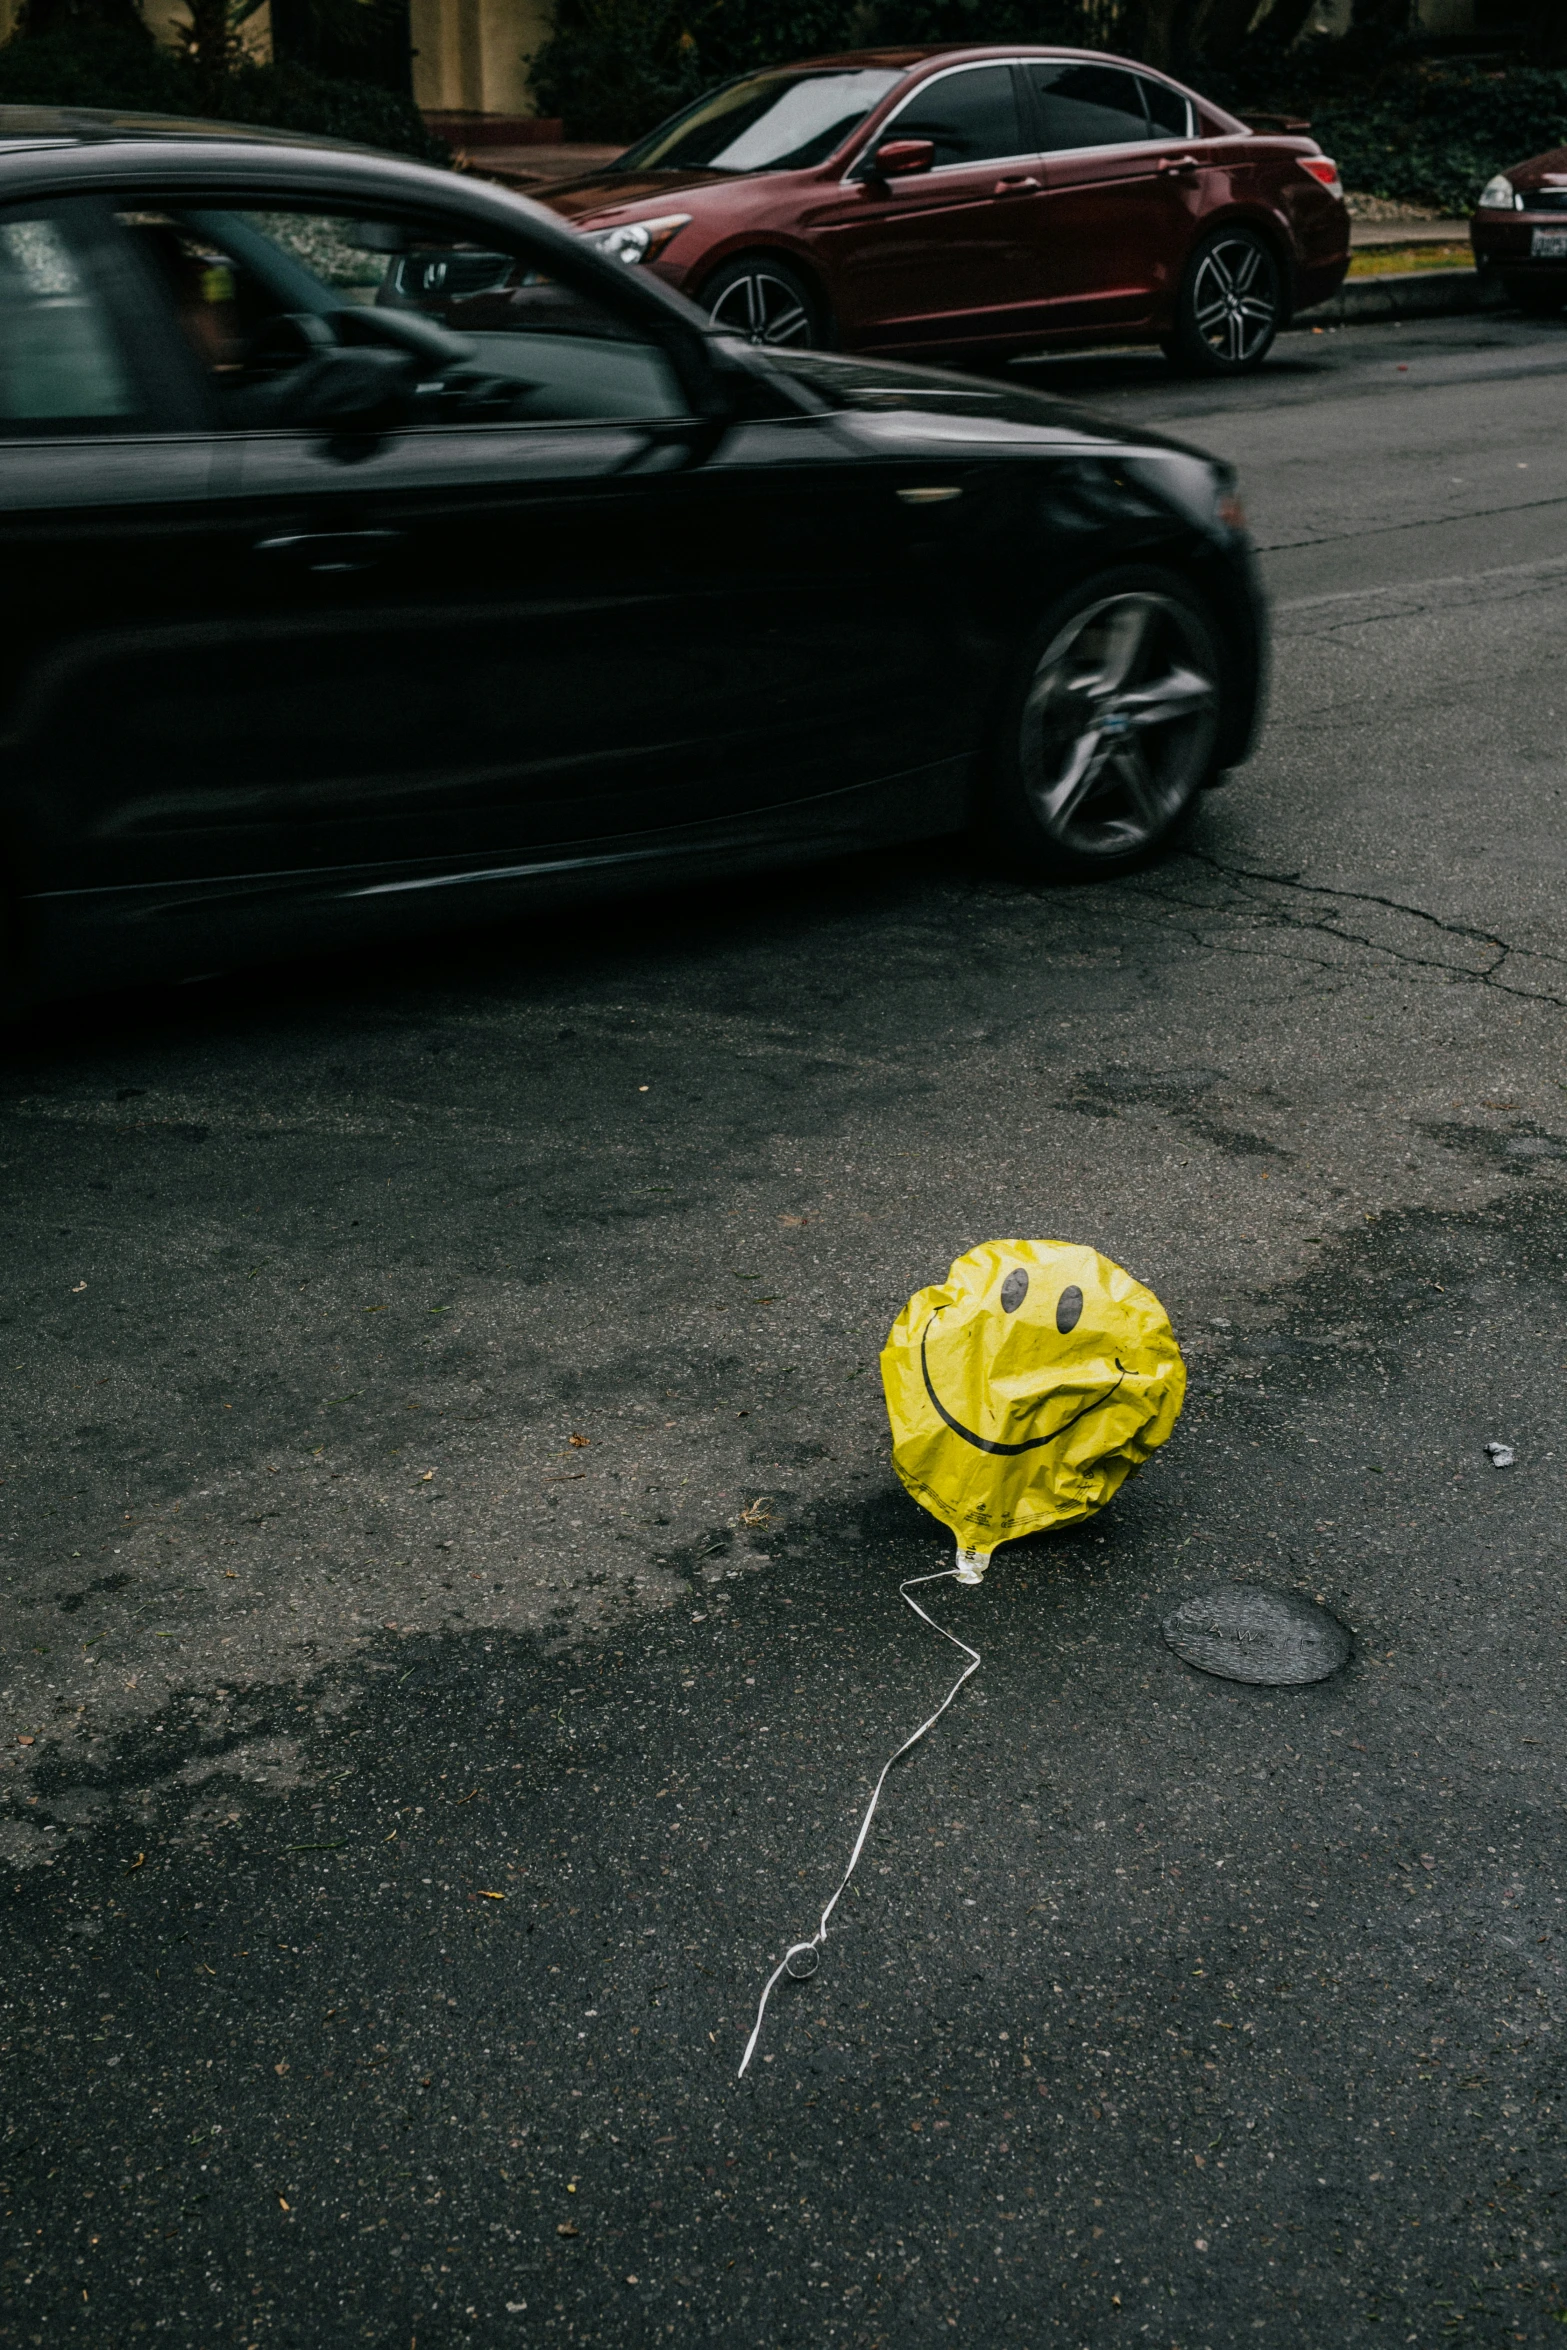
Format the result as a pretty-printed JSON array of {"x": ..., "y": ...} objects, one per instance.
[{"x": 373, "y": 551}]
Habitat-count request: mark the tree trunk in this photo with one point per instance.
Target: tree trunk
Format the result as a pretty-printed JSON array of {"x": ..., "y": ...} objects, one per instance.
[
  {"x": 207, "y": 42},
  {"x": 1154, "y": 30},
  {"x": 1382, "y": 16},
  {"x": 1286, "y": 20},
  {"x": 1171, "y": 33},
  {"x": 1219, "y": 27},
  {"x": 1546, "y": 33}
]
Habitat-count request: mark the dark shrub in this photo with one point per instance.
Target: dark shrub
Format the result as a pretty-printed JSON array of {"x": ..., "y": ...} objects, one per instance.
[
  {"x": 614, "y": 68},
  {"x": 292, "y": 98},
  {"x": 107, "y": 66},
  {"x": 127, "y": 72},
  {"x": 1401, "y": 124},
  {"x": 1439, "y": 137}
]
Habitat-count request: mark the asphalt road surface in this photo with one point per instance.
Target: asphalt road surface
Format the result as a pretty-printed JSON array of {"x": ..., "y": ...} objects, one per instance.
[{"x": 451, "y": 1557}]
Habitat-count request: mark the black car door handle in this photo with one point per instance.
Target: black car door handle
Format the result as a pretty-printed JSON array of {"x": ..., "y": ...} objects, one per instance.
[
  {"x": 330, "y": 550},
  {"x": 1178, "y": 166}
]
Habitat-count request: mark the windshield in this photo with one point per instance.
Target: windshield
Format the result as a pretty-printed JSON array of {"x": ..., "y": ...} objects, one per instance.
[{"x": 768, "y": 122}]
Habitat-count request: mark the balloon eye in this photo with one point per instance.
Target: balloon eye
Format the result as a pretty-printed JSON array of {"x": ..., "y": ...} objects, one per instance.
[
  {"x": 1069, "y": 1309},
  {"x": 1014, "y": 1289}
]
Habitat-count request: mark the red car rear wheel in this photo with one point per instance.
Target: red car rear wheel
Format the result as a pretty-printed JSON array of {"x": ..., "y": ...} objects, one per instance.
[{"x": 1230, "y": 306}]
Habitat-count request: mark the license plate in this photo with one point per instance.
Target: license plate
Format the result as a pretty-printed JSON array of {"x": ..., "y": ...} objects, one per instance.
[{"x": 1549, "y": 244}]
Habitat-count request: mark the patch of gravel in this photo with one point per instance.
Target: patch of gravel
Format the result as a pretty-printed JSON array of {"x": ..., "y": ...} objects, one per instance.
[{"x": 1362, "y": 207}]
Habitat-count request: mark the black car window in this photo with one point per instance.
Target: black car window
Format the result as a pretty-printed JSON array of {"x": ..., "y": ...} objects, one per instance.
[
  {"x": 62, "y": 364},
  {"x": 768, "y": 122},
  {"x": 1169, "y": 112},
  {"x": 259, "y": 293},
  {"x": 970, "y": 116},
  {"x": 1089, "y": 106}
]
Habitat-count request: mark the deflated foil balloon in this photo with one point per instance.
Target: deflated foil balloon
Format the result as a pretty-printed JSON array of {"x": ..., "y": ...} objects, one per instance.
[{"x": 1025, "y": 1388}]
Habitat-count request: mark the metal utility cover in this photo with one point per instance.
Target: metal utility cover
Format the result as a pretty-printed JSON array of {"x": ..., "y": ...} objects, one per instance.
[{"x": 1242, "y": 1632}]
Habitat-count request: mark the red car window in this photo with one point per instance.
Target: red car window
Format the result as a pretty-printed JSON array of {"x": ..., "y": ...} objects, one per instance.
[
  {"x": 768, "y": 122},
  {"x": 1089, "y": 106},
  {"x": 1168, "y": 111},
  {"x": 970, "y": 116}
]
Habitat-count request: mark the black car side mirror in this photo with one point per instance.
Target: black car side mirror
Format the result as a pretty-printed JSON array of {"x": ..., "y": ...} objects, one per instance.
[
  {"x": 359, "y": 390},
  {"x": 351, "y": 372},
  {"x": 297, "y": 374}
]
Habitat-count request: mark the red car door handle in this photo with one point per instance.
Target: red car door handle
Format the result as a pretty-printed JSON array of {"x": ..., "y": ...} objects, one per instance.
[
  {"x": 1179, "y": 166},
  {"x": 1015, "y": 187}
]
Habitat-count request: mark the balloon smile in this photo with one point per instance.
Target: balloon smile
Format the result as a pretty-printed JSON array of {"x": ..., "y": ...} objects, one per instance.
[{"x": 986, "y": 1443}]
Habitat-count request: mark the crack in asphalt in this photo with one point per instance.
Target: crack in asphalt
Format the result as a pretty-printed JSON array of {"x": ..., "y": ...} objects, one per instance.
[
  {"x": 1465, "y": 930},
  {"x": 1376, "y": 530}
]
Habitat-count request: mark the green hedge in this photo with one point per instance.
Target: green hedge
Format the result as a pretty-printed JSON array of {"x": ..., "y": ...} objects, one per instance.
[
  {"x": 127, "y": 73},
  {"x": 1399, "y": 123},
  {"x": 1439, "y": 137}
]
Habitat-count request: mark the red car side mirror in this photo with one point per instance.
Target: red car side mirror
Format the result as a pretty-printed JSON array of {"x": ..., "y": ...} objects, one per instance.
[{"x": 899, "y": 159}]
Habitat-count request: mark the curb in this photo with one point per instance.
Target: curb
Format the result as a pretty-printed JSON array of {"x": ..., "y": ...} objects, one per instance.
[{"x": 1407, "y": 293}]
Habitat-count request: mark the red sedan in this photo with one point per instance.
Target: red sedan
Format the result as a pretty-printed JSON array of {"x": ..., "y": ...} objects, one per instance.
[{"x": 976, "y": 203}]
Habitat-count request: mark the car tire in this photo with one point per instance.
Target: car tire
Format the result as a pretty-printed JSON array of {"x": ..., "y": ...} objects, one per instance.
[
  {"x": 1535, "y": 301},
  {"x": 762, "y": 299},
  {"x": 1109, "y": 727},
  {"x": 1230, "y": 306}
]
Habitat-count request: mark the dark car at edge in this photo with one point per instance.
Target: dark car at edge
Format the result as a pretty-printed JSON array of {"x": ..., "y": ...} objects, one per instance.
[
  {"x": 375, "y": 554},
  {"x": 1519, "y": 232}
]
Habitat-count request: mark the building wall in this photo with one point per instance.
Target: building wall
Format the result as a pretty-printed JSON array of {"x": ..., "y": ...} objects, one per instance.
[{"x": 469, "y": 55}]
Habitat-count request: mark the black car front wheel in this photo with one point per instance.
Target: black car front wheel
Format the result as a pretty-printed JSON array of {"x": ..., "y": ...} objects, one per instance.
[
  {"x": 1230, "y": 306},
  {"x": 763, "y": 300},
  {"x": 1111, "y": 727}
]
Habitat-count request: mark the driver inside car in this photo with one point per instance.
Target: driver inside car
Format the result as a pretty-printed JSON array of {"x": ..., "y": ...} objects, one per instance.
[{"x": 264, "y": 299}]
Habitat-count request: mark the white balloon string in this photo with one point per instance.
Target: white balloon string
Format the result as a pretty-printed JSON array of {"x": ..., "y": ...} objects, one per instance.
[{"x": 808, "y": 1951}]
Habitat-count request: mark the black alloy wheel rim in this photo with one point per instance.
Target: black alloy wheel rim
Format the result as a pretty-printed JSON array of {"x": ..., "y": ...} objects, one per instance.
[
  {"x": 763, "y": 309},
  {"x": 1119, "y": 724},
  {"x": 1235, "y": 304}
]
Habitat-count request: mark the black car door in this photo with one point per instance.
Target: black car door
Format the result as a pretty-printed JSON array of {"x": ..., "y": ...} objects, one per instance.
[
  {"x": 108, "y": 633},
  {"x": 549, "y": 616}
]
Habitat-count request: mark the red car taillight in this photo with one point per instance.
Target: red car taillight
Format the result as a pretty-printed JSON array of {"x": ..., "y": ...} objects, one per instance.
[{"x": 1323, "y": 168}]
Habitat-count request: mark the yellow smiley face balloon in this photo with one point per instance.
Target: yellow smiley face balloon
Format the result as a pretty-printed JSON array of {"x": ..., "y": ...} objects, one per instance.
[{"x": 1025, "y": 1388}]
